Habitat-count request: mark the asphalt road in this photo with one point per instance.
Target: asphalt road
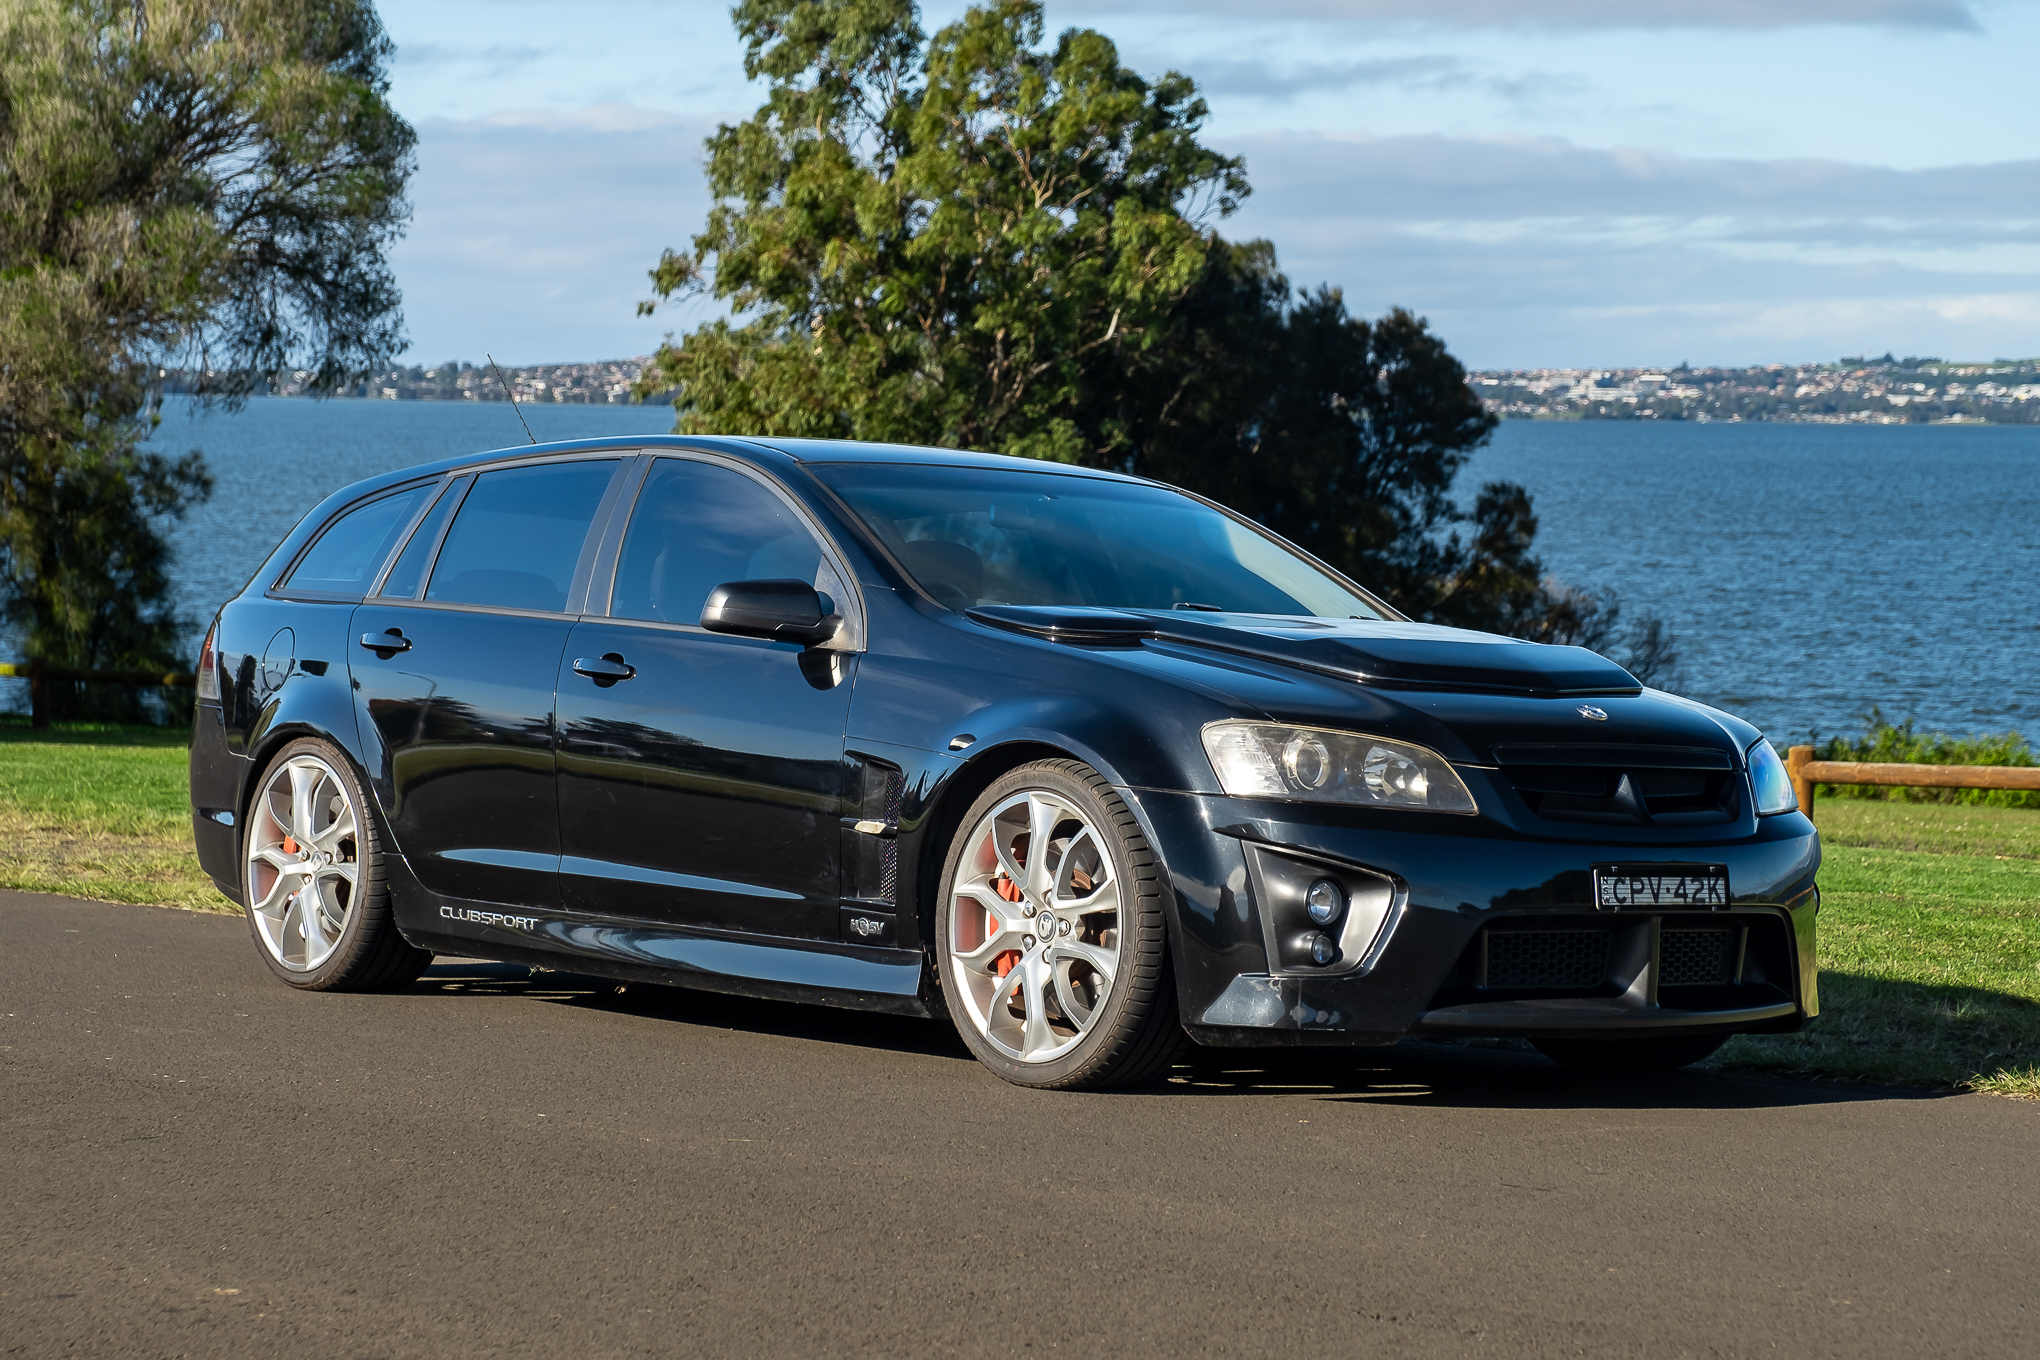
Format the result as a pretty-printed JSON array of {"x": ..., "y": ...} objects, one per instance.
[{"x": 195, "y": 1160}]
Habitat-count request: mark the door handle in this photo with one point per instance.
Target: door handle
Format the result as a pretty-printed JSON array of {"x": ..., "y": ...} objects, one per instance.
[
  {"x": 386, "y": 644},
  {"x": 604, "y": 670}
]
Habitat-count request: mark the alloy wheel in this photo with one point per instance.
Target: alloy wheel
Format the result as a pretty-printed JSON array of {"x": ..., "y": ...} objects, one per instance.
[
  {"x": 303, "y": 862},
  {"x": 1034, "y": 927}
]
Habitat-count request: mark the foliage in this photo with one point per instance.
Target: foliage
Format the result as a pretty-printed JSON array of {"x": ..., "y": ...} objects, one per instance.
[
  {"x": 1883, "y": 742},
  {"x": 1347, "y": 436},
  {"x": 2016, "y": 1083},
  {"x": 199, "y": 185},
  {"x": 938, "y": 241},
  {"x": 981, "y": 241},
  {"x": 87, "y": 566}
]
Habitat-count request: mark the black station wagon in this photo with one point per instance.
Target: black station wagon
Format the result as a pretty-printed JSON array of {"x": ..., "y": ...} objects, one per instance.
[{"x": 1082, "y": 762}]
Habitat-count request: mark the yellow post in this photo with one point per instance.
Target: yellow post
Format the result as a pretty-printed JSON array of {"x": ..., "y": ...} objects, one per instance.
[{"x": 1797, "y": 758}]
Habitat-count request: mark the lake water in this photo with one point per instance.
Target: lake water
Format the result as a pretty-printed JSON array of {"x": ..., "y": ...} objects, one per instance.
[{"x": 1808, "y": 571}]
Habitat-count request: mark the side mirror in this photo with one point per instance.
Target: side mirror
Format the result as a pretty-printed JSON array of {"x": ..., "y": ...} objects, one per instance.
[{"x": 778, "y": 611}]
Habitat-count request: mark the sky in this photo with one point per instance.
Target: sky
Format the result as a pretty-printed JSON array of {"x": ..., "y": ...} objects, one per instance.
[{"x": 1576, "y": 183}]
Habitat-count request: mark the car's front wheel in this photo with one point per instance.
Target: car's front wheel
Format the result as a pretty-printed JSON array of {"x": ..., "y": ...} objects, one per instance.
[
  {"x": 1628, "y": 1057},
  {"x": 1051, "y": 947},
  {"x": 318, "y": 905}
]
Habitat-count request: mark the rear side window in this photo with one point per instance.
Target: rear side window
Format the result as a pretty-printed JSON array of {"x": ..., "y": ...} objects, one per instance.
[
  {"x": 697, "y": 526},
  {"x": 518, "y": 535},
  {"x": 405, "y": 577},
  {"x": 345, "y": 558}
]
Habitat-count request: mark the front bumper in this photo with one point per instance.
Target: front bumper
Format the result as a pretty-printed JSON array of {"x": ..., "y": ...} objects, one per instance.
[{"x": 1455, "y": 895}]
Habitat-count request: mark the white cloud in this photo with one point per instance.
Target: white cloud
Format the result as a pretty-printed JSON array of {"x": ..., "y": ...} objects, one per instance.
[
  {"x": 1265, "y": 79},
  {"x": 1513, "y": 178},
  {"x": 468, "y": 60},
  {"x": 533, "y": 232},
  {"x": 1531, "y": 252},
  {"x": 1582, "y": 14}
]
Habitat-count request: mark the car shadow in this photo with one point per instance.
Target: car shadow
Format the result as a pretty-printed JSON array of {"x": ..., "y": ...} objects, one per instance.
[
  {"x": 1497, "y": 1077},
  {"x": 685, "y": 1005},
  {"x": 1492, "y": 1075}
]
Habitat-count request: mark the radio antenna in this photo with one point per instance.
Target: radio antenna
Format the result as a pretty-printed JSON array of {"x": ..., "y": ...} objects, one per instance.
[{"x": 512, "y": 395}]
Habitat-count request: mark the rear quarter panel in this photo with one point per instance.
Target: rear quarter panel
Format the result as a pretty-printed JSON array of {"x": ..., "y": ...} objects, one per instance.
[{"x": 283, "y": 675}]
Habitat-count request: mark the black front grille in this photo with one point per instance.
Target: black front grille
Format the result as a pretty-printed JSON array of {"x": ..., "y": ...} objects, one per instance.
[
  {"x": 1656, "y": 784},
  {"x": 1698, "y": 961},
  {"x": 1564, "y": 780},
  {"x": 1607, "y": 794},
  {"x": 1546, "y": 958},
  {"x": 1696, "y": 958}
]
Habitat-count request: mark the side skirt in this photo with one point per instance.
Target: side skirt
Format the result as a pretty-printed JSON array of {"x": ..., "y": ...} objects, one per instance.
[{"x": 817, "y": 972}]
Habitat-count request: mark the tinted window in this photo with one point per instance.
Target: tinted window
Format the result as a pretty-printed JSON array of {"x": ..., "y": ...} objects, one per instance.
[
  {"x": 403, "y": 580},
  {"x": 697, "y": 526},
  {"x": 345, "y": 559},
  {"x": 990, "y": 536},
  {"x": 518, "y": 536}
]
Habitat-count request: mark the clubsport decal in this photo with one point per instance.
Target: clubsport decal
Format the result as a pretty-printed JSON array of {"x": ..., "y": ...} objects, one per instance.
[{"x": 489, "y": 918}]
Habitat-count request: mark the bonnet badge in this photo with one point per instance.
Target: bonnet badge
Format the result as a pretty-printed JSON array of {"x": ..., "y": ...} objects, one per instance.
[{"x": 1591, "y": 711}]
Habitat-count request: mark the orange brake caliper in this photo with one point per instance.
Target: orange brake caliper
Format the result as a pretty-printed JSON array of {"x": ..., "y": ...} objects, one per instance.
[{"x": 1010, "y": 891}]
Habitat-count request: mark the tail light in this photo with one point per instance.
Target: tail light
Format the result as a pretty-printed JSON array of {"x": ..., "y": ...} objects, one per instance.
[{"x": 208, "y": 666}]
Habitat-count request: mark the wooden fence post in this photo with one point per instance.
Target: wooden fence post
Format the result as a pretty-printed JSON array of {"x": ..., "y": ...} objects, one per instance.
[{"x": 1796, "y": 760}]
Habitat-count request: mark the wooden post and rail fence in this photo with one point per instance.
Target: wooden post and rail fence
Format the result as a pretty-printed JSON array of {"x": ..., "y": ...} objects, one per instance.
[
  {"x": 39, "y": 676},
  {"x": 1806, "y": 771}
]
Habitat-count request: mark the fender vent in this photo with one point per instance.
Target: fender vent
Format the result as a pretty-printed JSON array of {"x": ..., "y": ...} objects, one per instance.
[{"x": 871, "y": 847}]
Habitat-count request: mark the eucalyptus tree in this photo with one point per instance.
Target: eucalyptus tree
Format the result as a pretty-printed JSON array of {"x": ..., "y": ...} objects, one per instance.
[
  {"x": 982, "y": 240},
  {"x": 200, "y": 189},
  {"x": 938, "y": 241}
]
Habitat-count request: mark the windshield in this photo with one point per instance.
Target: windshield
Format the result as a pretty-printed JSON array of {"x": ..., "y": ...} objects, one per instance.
[{"x": 974, "y": 535}]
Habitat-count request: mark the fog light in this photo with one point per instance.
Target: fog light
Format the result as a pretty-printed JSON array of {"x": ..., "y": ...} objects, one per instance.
[
  {"x": 1323, "y": 949},
  {"x": 1324, "y": 902}
]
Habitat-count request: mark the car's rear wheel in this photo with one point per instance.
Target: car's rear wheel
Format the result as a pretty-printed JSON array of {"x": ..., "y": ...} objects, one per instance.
[
  {"x": 1051, "y": 946},
  {"x": 1628, "y": 1057},
  {"x": 318, "y": 904}
]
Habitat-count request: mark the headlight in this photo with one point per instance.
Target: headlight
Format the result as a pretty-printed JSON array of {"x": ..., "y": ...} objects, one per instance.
[
  {"x": 1768, "y": 779},
  {"x": 1277, "y": 760}
]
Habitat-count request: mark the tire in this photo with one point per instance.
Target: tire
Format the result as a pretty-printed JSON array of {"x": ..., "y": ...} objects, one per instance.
[
  {"x": 1094, "y": 1003},
  {"x": 319, "y": 909},
  {"x": 1630, "y": 1057}
]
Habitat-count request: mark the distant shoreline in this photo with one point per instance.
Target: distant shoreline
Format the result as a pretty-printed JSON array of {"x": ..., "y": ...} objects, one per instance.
[
  {"x": 1887, "y": 391},
  {"x": 1854, "y": 391}
]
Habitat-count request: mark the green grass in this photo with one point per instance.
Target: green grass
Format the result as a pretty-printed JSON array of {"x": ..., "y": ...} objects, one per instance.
[
  {"x": 1929, "y": 951},
  {"x": 1988, "y": 832},
  {"x": 1929, "y": 926},
  {"x": 102, "y": 812}
]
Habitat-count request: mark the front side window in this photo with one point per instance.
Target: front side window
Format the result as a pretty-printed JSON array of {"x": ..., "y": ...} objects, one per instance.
[
  {"x": 347, "y": 555},
  {"x": 517, "y": 537},
  {"x": 697, "y": 526},
  {"x": 975, "y": 535}
]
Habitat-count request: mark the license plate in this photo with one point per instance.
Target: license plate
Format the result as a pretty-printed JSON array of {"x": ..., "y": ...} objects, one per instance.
[{"x": 1618, "y": 887}]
